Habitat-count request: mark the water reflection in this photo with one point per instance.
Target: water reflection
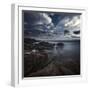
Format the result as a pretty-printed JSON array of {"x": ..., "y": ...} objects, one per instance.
[
  {"x": 52, "y": 58},
  {"x": 65, "y": 51}
]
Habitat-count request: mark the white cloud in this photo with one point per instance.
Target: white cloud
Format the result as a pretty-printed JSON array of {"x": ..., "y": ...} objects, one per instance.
[
  {"x": 43, "y": 18},
  {"x": 69, "y": 23},
  {"x": 73, "y": 23},
  {"x": 46, "y": 18}
]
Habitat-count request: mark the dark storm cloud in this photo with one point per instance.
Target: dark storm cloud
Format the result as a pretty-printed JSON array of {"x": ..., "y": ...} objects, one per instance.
[
  {"x": 71, "y": 23},
  {"x": 47, "y": 19},
  {"x": 37, "y": 18},
  {"x": 51, "y": 22}
]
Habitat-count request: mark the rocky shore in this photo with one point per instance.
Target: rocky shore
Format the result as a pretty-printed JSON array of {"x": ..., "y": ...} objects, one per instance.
[{"x": 38, "y": 62}]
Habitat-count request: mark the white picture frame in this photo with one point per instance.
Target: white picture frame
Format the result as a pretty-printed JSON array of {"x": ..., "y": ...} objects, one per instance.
[{"x": 16, "y": 61}]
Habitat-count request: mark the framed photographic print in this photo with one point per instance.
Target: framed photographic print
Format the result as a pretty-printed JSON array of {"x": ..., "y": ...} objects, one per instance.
[{"x": 46, "y": 43}]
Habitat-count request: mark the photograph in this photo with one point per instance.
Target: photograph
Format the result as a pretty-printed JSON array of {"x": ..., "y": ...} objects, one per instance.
[{"x": 51, "y": 43}]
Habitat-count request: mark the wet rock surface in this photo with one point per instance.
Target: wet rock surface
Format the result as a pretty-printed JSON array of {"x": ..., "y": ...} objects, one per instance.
[{"x": 45, "y": 59}]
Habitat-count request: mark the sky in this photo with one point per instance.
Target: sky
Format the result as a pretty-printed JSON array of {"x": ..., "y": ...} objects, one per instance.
[{"x": 51, "y": 25}]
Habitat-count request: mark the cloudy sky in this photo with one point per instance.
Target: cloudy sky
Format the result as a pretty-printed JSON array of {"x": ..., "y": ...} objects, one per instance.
[{"x": 50, "y": 24}]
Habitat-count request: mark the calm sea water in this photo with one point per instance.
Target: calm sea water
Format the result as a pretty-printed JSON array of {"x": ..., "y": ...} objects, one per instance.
[{"x": 70, "y": 50}]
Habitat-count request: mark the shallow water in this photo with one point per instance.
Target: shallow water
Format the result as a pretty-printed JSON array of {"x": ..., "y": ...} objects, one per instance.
[
  {"x": 63, "y": 59},
  {"x": 69, "y": 51}
]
